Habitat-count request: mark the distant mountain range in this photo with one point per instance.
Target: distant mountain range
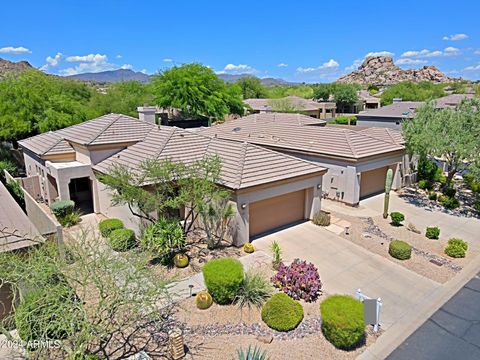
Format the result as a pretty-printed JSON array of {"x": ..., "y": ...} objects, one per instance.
[
  {"x": 112, "y": 76},
  {"x": 265, "y": 81}
]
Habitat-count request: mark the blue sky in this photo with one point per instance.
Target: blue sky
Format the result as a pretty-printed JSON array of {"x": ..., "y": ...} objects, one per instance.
[{"x": 311, "y": 41}]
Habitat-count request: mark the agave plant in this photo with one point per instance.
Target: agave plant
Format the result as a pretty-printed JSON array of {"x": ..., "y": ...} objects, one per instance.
[{"x": 252, "y": 353}]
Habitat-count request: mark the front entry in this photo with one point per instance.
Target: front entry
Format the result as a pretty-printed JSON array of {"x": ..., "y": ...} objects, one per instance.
[
  {"x": 81, "y": 193},
  {"x": 275, "y": 212}
]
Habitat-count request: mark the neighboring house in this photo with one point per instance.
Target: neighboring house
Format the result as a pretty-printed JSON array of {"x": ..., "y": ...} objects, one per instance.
[
  {"x": 367, "y": 101},
  {"x": 391, "y": 116},
  {"x": 269, "y": 189},
  {"x": 357, "y": 160},
  {"x": 171, "y": 117},
  {"x": 280, "y": 118},
  {"x": 319, "y": 110}
]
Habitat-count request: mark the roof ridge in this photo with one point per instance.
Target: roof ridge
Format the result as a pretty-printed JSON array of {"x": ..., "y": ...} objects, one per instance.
[
  {"x": 105, "y": 127},
  {"x": 165, "y": 141},
  {"x": 242, "y": 163},
  {"x": 349, "y": 142},
  {"x": 377, "y": 138}
]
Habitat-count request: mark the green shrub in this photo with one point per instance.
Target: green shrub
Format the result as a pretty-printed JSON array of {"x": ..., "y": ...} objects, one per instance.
[
  {"x": 449, "y": 192},
  {"x": 433, "y": 196},
  {"x": 255, "y": 290},
  {"x": 16, "y": 191},
  {"x": 122, "y": 239},
  {"x": 9, "y": 166},
  {"x": 425, "y": 185},
  {"x": 476, "y": 205},
  {"x": 62, "y": 208},
  {"x": 70, "y": 219},
  {"x": 456, "y": 248},
  {"x": 108, "y": 225},
  {"x": 40, "y": 314},
  {"x": 397, "y": 218},
  {"x": 471, "y": 183},
  {"x": 282, "y": 313},
  {"x": 223, "y": 278},
  {"x": 321, "y": 218},
  {"x": 449, "y": 203},
  {"x": 165, "y": 238},
  {"x": 427, "y": 170},
  {"x": 343, "y": 120},
  {"x": 432, "y": 232},
  {"x": 342, "y": 321},
  {"x": 400, "y": 250}
]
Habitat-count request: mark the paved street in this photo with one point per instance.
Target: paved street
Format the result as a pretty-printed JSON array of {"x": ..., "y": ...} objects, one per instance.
[
  {"x": 453, "y": 332},
  {"x": 345, "y": 267}
]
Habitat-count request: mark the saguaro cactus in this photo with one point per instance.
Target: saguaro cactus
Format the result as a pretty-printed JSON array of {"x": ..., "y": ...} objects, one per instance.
[{"x": 388, "y": 187}]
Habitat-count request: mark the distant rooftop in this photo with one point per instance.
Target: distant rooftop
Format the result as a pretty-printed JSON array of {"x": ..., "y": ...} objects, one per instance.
[
  {"x": 296, "y": 101},
  {"x": 400, "y": 110}
]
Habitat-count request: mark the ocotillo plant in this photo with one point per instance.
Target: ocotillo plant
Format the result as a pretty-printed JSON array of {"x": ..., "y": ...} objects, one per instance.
[{"x": 388, "y": 187}]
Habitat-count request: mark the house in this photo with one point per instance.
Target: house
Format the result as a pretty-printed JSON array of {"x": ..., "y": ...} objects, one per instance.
[
  {"x": 367, "y": 101},
  {"x": 391, "y": 116},
  {"x": 269, "y": 189},
  {"x": 171, "y": 117},
  {"x": 319, "y": 110},
  {"x": 357, "y": 160}
]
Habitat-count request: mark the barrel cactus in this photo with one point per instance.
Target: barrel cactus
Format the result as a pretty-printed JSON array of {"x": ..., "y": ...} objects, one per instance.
[
  {"x": 203, "y": 300},
  {"x": 180, "y": 260},
  {"x": 248, "y": 248},
  {"x": 388, "y": 187}
]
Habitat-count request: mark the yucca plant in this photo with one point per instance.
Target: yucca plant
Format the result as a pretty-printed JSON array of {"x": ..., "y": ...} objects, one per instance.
[
  {"x": 252, "y": 353},
  {"x": 254, "y": 291},
  {"x": 277, "y": 255}
]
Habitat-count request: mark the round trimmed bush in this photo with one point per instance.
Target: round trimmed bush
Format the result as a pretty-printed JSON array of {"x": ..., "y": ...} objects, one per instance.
[
  {"x": 342, "y": 321},
  {"x": 397, "y": 218},
  {"x": 432, "y": 232},
  {"x": 456, "y": 248},
  {"x": 282, "y": 313},
  {"x": 122, "y": 239},
  {"x": 203, "y": 300},
  {"x": 108, "y": 225},
  {"x": 400, "y": 250},
  {"x": 62, "y": 208},
  {"x": 223, "y": 278},
  {"x": 248, "y": 248}
]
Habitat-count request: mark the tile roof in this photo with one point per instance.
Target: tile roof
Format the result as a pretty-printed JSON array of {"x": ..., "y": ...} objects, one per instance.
[
  {"x": 365, "y": 96},
  {"x": 106, "y": 129},
  {"x": 297, "y": 101},
  {"x": 451, "y": 100},
  {"x": 243, "y": 164},
  {"x": 280, "y": 118},
  {"x": 329, "y": 141},
  {"x": 384, "y": 134},
  {"x": 401, "y": 110},
  {"x": 49, "y": 143}
]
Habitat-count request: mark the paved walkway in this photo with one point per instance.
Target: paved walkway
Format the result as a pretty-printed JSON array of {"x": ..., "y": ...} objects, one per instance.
[
  {"x": 453, "y": 332},
  {"x": 345, "y": 267}
]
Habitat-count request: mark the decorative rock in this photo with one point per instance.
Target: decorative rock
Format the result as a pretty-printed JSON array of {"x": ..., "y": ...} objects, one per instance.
[{"x": 266, "y": 339}]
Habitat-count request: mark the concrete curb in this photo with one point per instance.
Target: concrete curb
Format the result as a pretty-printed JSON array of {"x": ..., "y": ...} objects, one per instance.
[{"x": 401, "y": 330}]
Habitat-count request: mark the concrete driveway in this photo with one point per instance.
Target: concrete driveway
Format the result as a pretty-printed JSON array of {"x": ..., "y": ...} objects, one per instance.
[
  {"x": 345, "y": 267},
  {"x": 450, "y": 225}
]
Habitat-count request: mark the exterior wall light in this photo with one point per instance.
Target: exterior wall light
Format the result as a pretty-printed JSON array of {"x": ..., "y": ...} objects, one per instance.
[
  {"x": 319, "y": 186},
  {"x": 244, "y": 206}
]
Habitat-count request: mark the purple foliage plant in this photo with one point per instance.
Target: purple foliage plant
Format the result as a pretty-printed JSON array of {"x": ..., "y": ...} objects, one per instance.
[{"x": 299, "y": 280}]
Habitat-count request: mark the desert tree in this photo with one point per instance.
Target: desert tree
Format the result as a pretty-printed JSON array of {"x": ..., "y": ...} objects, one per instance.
[
  {"x": 452, "y": 134},
  {"x": 88, "y": 302}
]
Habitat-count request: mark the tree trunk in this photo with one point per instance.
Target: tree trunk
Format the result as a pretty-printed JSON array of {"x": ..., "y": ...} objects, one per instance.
[{"x": 450, "y": 175}]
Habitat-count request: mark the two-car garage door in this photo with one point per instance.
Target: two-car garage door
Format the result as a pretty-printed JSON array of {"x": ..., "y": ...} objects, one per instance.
[
  {"x": 372, "y": 182},
  {"x": 275, "y": 212}
]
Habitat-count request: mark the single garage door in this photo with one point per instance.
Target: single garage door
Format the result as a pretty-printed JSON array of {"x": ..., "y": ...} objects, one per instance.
[
  {"x": 373, "y": 182},
  {"x": 277, "y": 211}
]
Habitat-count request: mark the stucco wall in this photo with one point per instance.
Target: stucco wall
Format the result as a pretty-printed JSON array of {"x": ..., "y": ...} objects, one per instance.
[{"x": 379, "y": 122}]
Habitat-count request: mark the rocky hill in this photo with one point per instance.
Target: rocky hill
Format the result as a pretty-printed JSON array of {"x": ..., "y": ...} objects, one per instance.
[
  {"x": 380, "y": 70},
  {"x": 13, "y": 67}
]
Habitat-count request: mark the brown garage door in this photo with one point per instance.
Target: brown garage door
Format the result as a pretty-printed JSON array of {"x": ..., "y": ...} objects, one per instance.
[
  {"x": 373, "y": 182},
  {"x": 277, "y": 211}
]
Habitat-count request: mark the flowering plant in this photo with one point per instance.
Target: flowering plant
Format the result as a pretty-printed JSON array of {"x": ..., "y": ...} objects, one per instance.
[{"x": 299, "y": 280}]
